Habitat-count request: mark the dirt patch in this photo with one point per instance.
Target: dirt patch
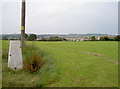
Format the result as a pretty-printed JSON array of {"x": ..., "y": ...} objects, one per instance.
[
  {"x": 91, "y": 53},
  {"x": 118, "y": 62}
]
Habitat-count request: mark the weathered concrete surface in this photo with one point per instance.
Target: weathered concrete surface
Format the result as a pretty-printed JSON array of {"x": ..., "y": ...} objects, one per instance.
[{"x": 15, "y": 56}]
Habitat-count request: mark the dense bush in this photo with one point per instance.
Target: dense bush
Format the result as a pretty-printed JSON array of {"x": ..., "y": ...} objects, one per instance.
[
  {"x": 93, "y": 38},
  {"x": 104, "y": 38},
  {"x": 32, "y": 37},
  {"x": 26, "y": 37},
  {"x": 117, "y": 38}
]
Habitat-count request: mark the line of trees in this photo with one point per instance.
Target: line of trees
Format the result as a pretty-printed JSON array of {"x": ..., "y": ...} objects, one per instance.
[
  {"x": 55, "y": 38},
  {"x": 106, "y": 38},
  {"x": 33, "y": 37}
]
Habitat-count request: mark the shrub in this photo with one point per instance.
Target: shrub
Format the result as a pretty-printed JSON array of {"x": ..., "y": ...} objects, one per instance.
[
  {"x": 32, "y": 37},
  {"x": 117, "y": 38},
  {"x": 93, "y": 38},
  {"x": 105, "y": 38},
  {"x": 33, "y": 63}
]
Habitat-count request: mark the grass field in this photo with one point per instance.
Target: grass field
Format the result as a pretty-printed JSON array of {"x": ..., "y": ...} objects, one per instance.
[
  {"x": 0, "y": 64},
  {"x": 68, "y": 64}
]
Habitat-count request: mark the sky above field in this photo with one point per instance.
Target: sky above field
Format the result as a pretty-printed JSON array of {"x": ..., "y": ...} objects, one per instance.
[{"x": 61, "y": 16}]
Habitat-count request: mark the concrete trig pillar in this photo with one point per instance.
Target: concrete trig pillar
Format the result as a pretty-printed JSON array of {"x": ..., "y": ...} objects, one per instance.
[{"x": 15, "y": 56}]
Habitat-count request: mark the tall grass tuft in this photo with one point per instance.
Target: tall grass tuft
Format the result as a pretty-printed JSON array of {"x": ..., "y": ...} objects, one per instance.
[{"x": 33, "y": 63}]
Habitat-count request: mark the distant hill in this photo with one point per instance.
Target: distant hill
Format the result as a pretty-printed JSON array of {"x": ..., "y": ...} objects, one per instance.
[
  {"x": 84, "y": 35},
  {"x": 16, "y": 36}
]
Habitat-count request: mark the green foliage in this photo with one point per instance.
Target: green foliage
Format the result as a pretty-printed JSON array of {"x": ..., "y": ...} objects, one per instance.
[
  {"x": 117, "y": 38},
  {"x": 26, "y": 37},
  {"x": 54, "y": 38},
  {"x": 93, "y": 38},
  {"x": 105, "y": 38},
  {"x": 32, "y": 37},
  {"x": 43, "y": 39}
]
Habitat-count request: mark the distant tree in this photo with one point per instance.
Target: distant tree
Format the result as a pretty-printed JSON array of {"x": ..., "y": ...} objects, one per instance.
[
  {"x": 117, "y": 38},
  {"x": 43, "y": 39},
  {"x": 53, "y": 38},
  {"x": 56, "y": 38},
  {"x": 32, "y": 37},
  {"x": 101, "y": 38},
  {"x": 4, "y": 38},
  {"x": 26, "y": 37},
  {"x": 93, "y": 38},
  {"x": 105, "y": 38}
]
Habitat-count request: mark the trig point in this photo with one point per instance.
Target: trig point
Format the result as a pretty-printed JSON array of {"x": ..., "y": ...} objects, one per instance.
[{"x": 15, "y": 56}]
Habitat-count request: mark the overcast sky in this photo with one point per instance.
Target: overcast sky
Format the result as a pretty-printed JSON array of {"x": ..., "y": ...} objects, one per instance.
[{"x": 61, "y": 16}]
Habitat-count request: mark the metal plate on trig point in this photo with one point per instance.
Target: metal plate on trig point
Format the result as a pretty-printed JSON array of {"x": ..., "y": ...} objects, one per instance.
[{"x": 15, "y": 56}]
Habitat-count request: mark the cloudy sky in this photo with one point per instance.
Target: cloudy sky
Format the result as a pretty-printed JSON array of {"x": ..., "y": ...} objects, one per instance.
[{"x": 61, "y": 16}]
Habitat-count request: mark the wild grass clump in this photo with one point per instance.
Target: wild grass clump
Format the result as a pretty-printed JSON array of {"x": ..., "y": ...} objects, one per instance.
[
  {"x": 33, "y": 63},
  {"x": 32, "y": 58}
]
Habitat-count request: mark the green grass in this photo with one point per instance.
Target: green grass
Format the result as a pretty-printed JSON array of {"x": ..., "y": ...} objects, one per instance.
[
  {"x": 69, "y": 64},
  {"x": 23, "y": 78},
  {"x": 0, "y": 64}
]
